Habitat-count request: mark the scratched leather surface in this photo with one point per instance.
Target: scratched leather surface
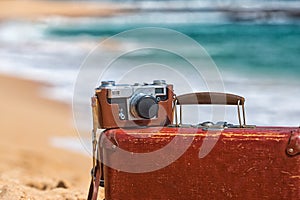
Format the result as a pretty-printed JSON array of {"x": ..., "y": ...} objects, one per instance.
[{"x": 244, "y": 164}]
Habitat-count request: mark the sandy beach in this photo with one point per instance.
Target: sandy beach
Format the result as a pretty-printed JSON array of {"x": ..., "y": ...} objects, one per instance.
[
  {"x": 34, "y": 9},
  {"x": 30, "y": 167}
]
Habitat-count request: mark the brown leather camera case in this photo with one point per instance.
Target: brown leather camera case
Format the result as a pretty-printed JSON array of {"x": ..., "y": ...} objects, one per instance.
[{"x": 108, "y": 113}]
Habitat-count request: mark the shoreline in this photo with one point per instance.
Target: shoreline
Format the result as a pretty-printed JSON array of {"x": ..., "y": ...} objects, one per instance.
[{"x": 31, "y": 168}]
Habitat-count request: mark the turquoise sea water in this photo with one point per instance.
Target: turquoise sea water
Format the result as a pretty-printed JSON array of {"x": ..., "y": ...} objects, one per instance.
[{"x": 265, "y": 49}]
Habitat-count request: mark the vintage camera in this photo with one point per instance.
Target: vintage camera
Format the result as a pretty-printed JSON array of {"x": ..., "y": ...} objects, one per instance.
[{"x": 124, "y": 105}]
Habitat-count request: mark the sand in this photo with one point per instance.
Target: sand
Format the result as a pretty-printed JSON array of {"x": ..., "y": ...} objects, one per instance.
[
  {"x": 30, "y": 167},
  {"x": 34, "y": 9}
]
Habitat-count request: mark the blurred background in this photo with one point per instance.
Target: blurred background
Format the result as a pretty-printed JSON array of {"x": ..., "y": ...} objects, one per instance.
[{"x": 254, "y": 43}]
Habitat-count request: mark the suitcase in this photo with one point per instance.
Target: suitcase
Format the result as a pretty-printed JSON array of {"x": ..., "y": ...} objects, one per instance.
[
  {"x": 207, "y": 161},
  {"x": 248, "y": 163}
]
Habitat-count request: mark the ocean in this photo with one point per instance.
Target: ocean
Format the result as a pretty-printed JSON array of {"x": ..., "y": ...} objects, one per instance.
[{"x": 257, "y": 56}]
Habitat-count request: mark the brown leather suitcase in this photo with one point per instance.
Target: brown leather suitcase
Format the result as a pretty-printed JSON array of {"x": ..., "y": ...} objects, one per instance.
[
  {"x": 245, "y": 163},
  {"x": 207, "y": 161}
]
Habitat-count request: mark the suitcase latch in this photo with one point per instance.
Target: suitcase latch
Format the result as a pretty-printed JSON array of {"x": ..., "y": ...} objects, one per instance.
[{"x": 293, "y": 147}]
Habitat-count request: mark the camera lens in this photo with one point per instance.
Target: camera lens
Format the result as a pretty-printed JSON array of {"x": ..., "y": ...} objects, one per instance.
[{"x": 144, "y": 106}]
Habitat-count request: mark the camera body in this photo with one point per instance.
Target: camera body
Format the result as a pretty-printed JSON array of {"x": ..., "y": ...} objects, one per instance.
[{"x": 124, "y": 105}]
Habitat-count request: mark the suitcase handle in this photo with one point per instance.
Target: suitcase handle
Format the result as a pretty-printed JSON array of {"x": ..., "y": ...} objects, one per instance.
[
  {"x": 216, "y": 98},
  {"x": 210, "y": 98}
]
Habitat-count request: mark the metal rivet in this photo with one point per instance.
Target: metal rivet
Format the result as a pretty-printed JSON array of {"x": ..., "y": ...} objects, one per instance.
[{"x": 290, "y": 150}]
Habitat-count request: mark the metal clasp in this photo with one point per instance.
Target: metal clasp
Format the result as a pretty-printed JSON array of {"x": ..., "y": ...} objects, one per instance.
[{"x": 293, "y": 147}]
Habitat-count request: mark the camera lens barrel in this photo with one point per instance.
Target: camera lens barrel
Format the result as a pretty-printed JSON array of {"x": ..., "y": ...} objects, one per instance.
[{"x": 144, "y": 106}]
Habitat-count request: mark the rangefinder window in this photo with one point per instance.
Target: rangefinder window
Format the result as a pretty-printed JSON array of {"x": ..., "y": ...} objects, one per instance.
[
  {"x": 159, "y": 91},
  {"x": 116, "y": 92}
]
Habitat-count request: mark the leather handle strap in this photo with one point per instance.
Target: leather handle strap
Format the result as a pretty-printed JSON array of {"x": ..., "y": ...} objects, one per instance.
[
  {"x": 210, "y": 98},
  {"x": 95, "y": 183}
]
